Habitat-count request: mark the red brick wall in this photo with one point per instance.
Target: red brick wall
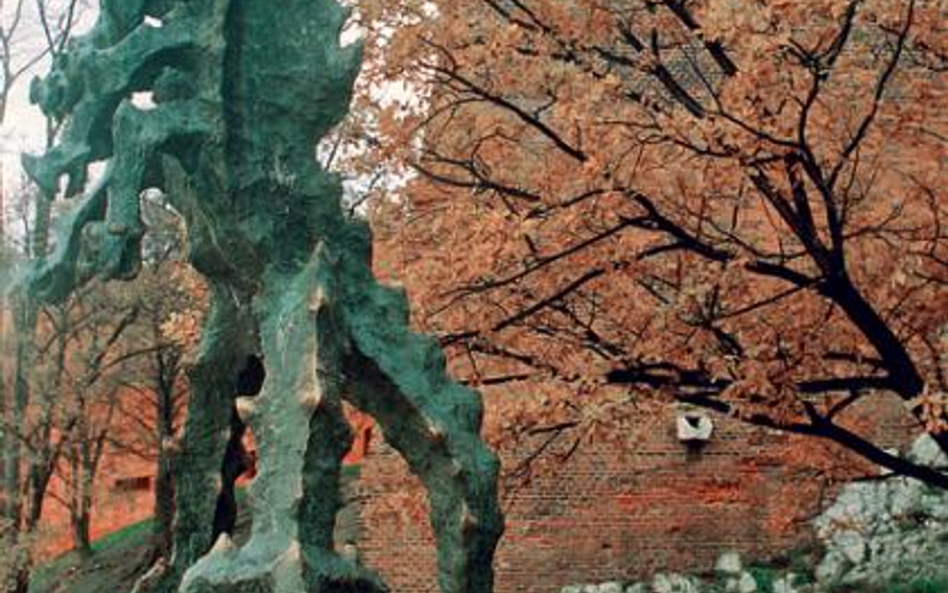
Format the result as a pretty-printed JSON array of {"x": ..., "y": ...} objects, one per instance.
[
  {"x": 619, "y": 509},
  {"x": 117, "y": 505},
  {"x": 114, "y": 506}
]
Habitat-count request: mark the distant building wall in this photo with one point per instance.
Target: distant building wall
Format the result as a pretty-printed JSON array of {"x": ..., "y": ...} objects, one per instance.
[
  {"x": 613, "y": 511},
  {"x": 123, "y": 494},
  {"x": 617, "y": 508}
]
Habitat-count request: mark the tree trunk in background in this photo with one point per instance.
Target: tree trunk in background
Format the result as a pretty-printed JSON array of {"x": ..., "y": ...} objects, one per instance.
[
  {"x": 80, "y": 503},
  {"x": 13, "y": 406},
  {"x": 25, "y": 315},
  {"x": 20, "y": 557},
  {"x": 3, "y": 342},
  {"x": 164, "y": 502},
  {"x": 24, "y": 326},
  {"x": 24, "y": 319},
  {"x": 3, "y": 422},
  {"x": 164, "y": 477},
  {"x": 20, "y": 582},
  {"x": 233, "y": 466},
  {"x": 81, "y": 542}
]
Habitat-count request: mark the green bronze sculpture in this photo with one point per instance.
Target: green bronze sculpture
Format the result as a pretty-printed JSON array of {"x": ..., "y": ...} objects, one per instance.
[{"x": 241, "y": 92}]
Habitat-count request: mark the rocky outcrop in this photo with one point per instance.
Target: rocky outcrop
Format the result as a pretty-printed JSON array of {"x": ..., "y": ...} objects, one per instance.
[
  {"x": 730, "y": 576},
  {"x": 891, "y": 529}
]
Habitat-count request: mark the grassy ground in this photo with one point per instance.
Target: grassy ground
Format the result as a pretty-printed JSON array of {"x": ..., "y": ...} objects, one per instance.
[{"x": 119, "y": 558}]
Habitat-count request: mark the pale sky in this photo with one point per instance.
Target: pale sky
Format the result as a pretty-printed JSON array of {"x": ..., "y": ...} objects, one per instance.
[
  {"x": 24, "y": 128},
  {"x": 24, "y": 125}
]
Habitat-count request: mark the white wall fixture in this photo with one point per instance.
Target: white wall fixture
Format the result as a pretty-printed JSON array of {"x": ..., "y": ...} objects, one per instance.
[{"x": 694, "y": 427}]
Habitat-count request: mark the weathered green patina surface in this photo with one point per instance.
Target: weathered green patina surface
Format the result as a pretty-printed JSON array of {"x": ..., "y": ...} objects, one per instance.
[{"x": 242, "y": 90}]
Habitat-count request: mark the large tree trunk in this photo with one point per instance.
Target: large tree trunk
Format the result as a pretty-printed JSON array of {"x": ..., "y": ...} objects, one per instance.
[{"x": 906, "y": 379}]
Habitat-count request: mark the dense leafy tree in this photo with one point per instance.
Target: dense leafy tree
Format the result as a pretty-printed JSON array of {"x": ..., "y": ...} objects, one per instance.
[{"x": 737, "y": 205}]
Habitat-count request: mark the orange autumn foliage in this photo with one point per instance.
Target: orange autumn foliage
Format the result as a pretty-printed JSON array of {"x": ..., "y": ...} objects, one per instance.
[{"x": 738, "y": 205}]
